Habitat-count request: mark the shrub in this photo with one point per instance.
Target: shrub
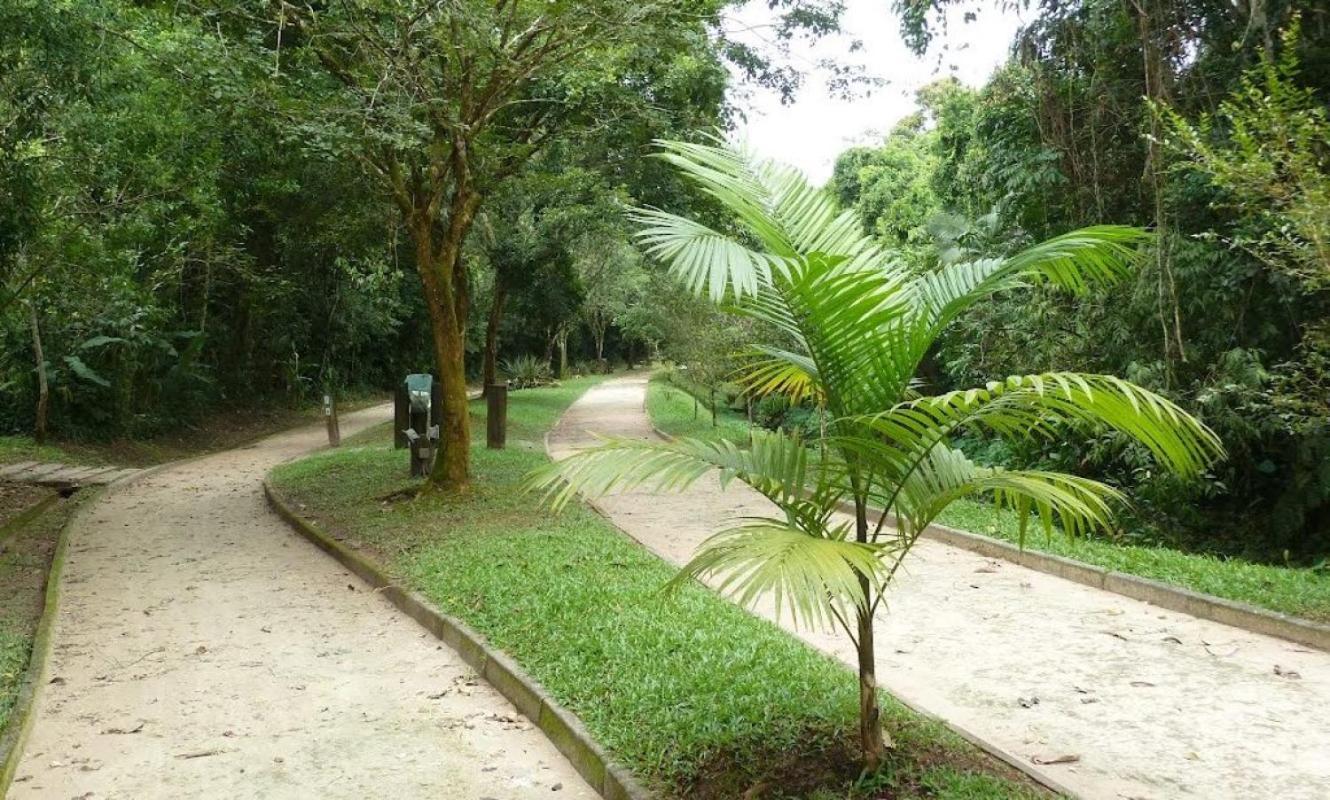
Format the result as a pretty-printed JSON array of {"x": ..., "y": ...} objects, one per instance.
[{"x": 526, "y": 372}]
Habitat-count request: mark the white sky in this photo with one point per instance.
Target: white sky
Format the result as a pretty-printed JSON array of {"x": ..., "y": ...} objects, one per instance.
[{"x": 810, "y": 133}]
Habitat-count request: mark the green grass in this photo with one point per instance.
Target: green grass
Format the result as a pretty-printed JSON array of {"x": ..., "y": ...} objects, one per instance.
[
  {"x": 23, "y": 448},
  {"x": 679, "y": 413},
  {"x": 1300, "y": 592},
  {"x": 14, "y": 650},
  {"x": 694, "y": 694}
]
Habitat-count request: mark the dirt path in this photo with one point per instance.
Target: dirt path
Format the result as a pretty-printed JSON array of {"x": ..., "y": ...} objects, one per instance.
[
  {"x": 204, "y": 650},
  {"x": 1156, "y": 704}
]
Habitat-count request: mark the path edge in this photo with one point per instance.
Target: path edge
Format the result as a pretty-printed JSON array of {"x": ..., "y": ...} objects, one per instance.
[
  {"x": 1233, "y": 613},
  {"x": 1174, "y": 598},
  {"x": 20, "y": 719},
  {"x": 564, "y": 729},
  {"x": 15, "y": 735}
]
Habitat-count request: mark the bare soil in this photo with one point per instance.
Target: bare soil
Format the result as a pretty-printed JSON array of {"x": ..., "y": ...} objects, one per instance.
[
  {"x": 1112, "y": 697},
  {"x": 202, "y": 649}
]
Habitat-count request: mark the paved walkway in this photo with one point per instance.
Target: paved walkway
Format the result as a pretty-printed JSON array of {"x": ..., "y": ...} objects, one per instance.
[
  {"x": 203, "y": 650},
  {"x": 1155, "y": 704}
]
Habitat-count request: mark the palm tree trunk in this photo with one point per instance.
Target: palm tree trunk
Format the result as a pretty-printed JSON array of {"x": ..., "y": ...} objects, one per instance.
[{"x": 871, "y": 740}]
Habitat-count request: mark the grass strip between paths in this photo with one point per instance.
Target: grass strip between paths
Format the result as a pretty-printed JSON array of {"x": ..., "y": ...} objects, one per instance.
[
  {"x": 693, "y": 694},
  {"x": 1299, "y": 592}
]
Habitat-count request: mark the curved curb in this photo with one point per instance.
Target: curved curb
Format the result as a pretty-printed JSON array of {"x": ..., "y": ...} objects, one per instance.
[
  {"x": 1165, "y": 595},
  {"x": 15, "y": 733},
  {"x": 611, "y": 780}
]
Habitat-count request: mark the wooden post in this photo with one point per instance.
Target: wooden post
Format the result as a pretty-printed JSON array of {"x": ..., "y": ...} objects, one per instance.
[
  {"x": 401, "y": 416},
  {"x": 330, "y": 415},
  {"x": 496, "y": 418}
]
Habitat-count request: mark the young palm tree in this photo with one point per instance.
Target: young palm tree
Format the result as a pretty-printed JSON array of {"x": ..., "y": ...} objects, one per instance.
[{"x": 858, "y": 325}]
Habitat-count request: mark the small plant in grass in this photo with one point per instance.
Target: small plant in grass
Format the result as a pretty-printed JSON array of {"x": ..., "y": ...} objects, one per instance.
[
  {"x": 860, "y": 324},
  {"x": 527, "y": 372}
]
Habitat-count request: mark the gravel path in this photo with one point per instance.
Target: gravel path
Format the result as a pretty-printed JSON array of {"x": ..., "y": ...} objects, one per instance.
[
  {"x": 204, "y": 650},
  {"x": 1155, "y": 704}
]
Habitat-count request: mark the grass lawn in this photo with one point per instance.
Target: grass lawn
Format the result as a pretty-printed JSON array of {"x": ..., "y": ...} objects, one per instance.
[
  {"x": 678, "y": 413},
  {"x": 23, "y": 448},
  {"x": 697, "y": 696},
  {"x": 1300, "y": 592}
]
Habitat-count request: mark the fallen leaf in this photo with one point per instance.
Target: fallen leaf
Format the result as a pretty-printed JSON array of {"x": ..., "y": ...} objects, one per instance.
[
  {"x": 125, "y": 731},
  {"x": 1068, "y": 758},
  {"x": 1286, "y": 673}
]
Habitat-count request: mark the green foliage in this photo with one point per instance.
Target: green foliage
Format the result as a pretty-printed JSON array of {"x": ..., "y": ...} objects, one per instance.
[
  {"x": 527, "y": 372},
  {"x": 1267, "y": 148},
  {"x": 1222, "y": 316}
]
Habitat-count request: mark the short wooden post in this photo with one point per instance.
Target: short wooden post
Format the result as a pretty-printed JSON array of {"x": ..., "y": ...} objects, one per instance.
[
  {"x": 330, "y": 414},
  {"x": 496, "y": 418}
]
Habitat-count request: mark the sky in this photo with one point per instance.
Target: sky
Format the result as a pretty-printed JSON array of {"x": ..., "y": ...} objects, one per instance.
[{"x": 816, "y": 128}]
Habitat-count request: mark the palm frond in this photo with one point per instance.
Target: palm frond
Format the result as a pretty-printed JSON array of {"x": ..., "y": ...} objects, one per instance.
[
  {"x": 1039, "y": 405},
  {"x": 706, "y": 261},
  {"x": 771, "y": 370},
  {"x": 814, "y": 577},
  {"x": 943, "y": 475},
  {"x": 1078, "y": 261},
  {"x": 777, "y": 466}
]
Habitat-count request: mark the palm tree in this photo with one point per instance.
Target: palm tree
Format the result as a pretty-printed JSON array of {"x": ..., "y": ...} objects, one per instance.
[{"x": 857, "y": 324}]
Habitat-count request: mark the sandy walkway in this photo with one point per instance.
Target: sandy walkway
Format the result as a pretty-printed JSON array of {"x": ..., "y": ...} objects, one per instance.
[
  {"x": 1156, "y": 704},
  {"x": 204, "y": 650}
]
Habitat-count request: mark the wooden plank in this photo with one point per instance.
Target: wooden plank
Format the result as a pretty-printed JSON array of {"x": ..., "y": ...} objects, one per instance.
[
  {"x": 34, "y": 474},
  {"x": 79, "y": 473},
  {"x": 97, "y": 474},
  {"x": 116, "y": 475},
  {"x": 14, "y": 469}
]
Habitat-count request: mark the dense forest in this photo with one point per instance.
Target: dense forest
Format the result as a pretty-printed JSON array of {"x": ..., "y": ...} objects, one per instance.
[
  {"x": 213, "y": 203},
  {"x": 1203, "y": 120}
]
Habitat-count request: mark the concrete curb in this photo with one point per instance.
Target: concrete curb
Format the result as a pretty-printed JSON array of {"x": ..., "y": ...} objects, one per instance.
[
  {"x": 1174, "y": 598},
  {"x": 563, "y": 728},
  {"x": 15, "y": 734}
]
